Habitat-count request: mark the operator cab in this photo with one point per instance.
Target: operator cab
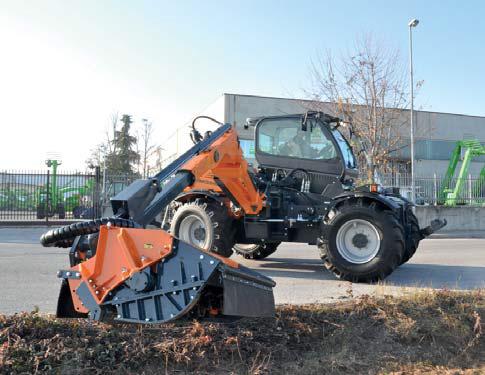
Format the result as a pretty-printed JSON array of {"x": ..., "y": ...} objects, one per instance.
[{"x": 310, "y": 142}]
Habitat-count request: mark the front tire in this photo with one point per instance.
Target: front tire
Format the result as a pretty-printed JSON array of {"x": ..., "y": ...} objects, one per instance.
[
  {"x": 256, "y": 251},
  {"x": 205, "y": 224},
  {"x": 365, "y": 242}
]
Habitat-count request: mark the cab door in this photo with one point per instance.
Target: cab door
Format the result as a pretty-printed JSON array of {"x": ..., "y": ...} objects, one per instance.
[{"x": 282, "y": 143}]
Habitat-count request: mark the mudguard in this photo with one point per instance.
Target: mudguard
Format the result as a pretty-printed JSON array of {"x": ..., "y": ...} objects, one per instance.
[
  {"x": 389, "y": 201},
  {"x": 393, "y": 202}
]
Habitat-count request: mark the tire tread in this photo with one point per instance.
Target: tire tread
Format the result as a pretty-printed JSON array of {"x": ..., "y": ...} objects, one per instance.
[{"x": 385, "y": 269}]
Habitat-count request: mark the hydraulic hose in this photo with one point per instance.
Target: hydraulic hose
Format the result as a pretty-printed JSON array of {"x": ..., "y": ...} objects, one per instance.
[
  {"x": 195, "y": 135},
  {"x": 64, "y": 236}
]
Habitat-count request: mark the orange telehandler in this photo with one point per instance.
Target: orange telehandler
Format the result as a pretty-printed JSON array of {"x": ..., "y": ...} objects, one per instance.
[{"x": 164, "y": 253}]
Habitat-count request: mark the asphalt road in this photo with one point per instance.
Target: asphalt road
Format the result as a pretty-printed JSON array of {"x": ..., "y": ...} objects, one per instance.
[{"x": 28, "y": 271}]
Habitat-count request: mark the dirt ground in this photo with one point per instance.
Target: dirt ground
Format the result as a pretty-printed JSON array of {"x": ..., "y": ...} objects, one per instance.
[{"x": 426, "y": 333}]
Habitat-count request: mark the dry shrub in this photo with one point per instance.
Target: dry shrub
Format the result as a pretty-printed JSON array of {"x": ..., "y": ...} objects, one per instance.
[{"x": 427, "y": 332}]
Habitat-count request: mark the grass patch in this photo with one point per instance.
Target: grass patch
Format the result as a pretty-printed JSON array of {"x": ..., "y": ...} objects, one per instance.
[{"x": 427, "y": 332}]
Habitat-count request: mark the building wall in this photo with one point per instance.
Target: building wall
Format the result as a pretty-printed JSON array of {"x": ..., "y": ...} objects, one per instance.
[
  {"x": 436, "y": 133},
  {"x": 427, "y": 168},
  {"x": 243, "y": 106},
  {"x": 449, "y": 126}
]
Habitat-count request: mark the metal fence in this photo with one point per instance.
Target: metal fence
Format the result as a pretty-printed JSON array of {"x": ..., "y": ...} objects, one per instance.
[
  {"x": 431, "y": 190},
  {"x": 41, "y": 196}
]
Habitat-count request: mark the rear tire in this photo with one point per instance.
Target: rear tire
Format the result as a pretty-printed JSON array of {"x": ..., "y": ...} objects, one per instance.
[
  {"x": 40, "y": 211},
  {"x": 365, "y": 242},
  {"x": 205, "y": 224},
  {"x": 61, "y": 211},
  {"x": 77, "y": 211},
  {"x": 256, "y": 251},
  {"x": 412, "y": 240}
]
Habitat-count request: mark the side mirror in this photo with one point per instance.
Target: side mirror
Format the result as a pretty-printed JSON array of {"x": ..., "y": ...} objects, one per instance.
[
  {"x": 346, "y": 125},
  {"x": 250, "y": 121}
]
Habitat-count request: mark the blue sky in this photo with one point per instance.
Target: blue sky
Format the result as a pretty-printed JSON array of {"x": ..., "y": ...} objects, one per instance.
[{"x": 67, "y": 65}]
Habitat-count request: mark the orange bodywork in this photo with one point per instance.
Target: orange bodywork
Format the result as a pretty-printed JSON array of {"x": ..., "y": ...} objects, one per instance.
[
  {"x": 121, "y": 252},
  {"x": 224, "y": 160}
]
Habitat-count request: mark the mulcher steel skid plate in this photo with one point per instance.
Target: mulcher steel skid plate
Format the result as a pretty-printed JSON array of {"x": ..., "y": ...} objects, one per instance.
[{"x": 126, "y": 282}]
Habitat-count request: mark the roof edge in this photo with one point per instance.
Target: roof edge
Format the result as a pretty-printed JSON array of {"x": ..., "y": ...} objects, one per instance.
[{"x": 309, "y": 100}]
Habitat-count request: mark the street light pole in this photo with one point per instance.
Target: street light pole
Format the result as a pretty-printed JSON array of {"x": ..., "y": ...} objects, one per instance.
[{"x": 411, "y": 24}]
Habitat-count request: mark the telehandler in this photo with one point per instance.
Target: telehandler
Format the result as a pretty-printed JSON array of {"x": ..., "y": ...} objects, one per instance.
[{"x": 164, "y": 253}]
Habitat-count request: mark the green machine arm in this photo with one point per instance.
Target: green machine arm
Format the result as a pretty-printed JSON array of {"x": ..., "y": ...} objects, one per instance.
[
  {"x": 450, "y": 172},
  {"x": 472, "y": 148},
  {"x": 478, "y": 187}
]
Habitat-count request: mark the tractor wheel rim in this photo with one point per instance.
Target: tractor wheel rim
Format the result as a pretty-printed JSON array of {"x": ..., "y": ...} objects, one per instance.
[
  {"x": 358, "y": 241},
  {"x": 247, "y": 248},
  {"x": 193, "y": 230}
]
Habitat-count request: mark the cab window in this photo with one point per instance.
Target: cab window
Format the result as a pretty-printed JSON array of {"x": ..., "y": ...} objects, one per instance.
[{"x": 284, "y": 137}]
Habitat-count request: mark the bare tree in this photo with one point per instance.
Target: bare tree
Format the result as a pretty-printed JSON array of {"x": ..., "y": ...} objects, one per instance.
[
  {"x": 122, "y": 148},
  {"x": 158, "y": 158},
  {"x": 97, "y": 155},
  {"x": 110, "y": 141},
  {"x": 147, "y": 148},
  {"x": 107, "y": 146},
  {"x": 367, "y": 87}
]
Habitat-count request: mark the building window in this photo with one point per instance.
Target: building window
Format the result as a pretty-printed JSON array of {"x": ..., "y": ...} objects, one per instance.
[{"x": 426, "y": 149}]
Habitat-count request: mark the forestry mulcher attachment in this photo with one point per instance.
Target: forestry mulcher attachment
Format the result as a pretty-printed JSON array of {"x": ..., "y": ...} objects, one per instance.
[{"x": 164, "y": 252}]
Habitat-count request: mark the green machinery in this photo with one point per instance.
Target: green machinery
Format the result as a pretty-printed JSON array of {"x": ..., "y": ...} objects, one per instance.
[
  {"x": 55, "y": 200},
  {"x": 48, "y": 202},
  {"x": 16, "y": 198},
  {"x": 450, "y": 195},
  {"x": 75, "y": 198}
]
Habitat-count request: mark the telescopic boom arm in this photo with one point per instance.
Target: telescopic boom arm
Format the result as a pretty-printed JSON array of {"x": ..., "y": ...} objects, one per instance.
[{"x": 216, "y": 160}]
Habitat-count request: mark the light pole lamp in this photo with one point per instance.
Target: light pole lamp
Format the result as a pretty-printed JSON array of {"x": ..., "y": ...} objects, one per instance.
[{"x": 413, "y": 23}]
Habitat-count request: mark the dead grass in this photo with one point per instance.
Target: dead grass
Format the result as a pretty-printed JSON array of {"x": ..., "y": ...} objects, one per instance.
[{"x": 423, "y": 333}]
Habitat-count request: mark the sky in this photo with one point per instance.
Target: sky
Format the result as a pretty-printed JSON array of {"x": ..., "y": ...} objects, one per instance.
[{"x": 67, "y": 66}]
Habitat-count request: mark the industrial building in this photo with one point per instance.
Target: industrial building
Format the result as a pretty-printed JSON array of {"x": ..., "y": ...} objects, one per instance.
[{"x": 436, "y": 132}]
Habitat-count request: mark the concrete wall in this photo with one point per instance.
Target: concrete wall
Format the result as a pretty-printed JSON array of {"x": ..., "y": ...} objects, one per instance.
[{"x": 458, "y": 218}]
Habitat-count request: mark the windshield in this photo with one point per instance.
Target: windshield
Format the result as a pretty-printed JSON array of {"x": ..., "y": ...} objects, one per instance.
[
  {"x": 346, "y": 150},
  {"x": 284, "y": 137}
]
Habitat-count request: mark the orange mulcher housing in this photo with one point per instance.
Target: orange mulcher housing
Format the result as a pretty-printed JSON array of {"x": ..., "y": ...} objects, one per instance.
[{"x": 122, "y": 253}]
